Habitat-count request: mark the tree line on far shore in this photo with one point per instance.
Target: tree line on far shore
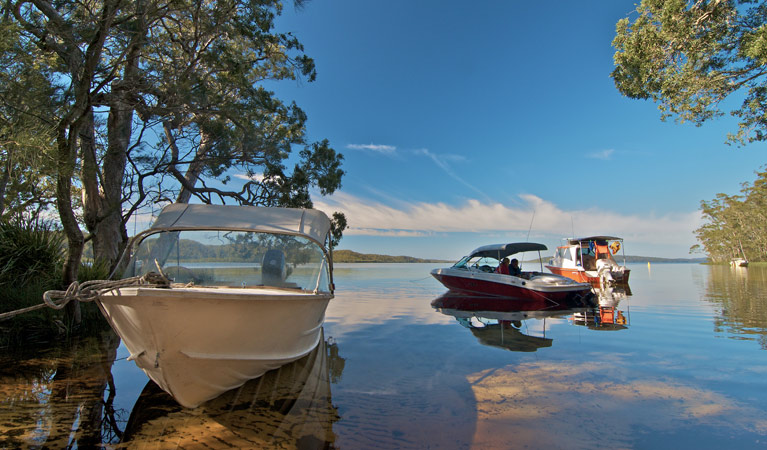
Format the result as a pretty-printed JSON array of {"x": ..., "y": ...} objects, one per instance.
[
  {"x": 736, "y": 225},
  {"x": 348, "y": 256}
]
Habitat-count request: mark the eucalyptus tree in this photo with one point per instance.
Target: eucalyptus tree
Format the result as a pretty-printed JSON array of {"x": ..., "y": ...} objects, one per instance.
[
  {"x": 735, "y": 225},
  {"x": 27, "y": 98},
  {"x": 209, "y": 65},
  {"x": 162, "y": 98},
  {"x": 691, "y": 56}
]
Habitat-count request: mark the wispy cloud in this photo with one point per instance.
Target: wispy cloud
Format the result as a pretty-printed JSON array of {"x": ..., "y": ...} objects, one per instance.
[
  {"x": 443, "y": 162},
  {"x": 604, "y": 154},
  {"x": 378, "y": 148}
]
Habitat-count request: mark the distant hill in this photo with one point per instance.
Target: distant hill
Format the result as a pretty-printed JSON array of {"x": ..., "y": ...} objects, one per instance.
[
  {"x": 348, "y": 256},
  {"x": 634, "y": 259}
]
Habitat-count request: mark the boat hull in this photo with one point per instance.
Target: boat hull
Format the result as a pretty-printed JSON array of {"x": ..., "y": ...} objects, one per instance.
[
  {"x": 280, "y": 409},
  {"x": 589, "y": 276},
  {"x": 197, "y": 343},
  {"x": 542, "y": 291}
]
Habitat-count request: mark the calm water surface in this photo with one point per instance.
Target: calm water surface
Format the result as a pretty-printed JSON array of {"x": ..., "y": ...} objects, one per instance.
[{"x": 681, "y": 362}]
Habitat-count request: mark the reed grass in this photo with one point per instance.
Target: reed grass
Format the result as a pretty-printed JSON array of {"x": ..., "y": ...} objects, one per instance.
[{"x": 31, "y": 260}]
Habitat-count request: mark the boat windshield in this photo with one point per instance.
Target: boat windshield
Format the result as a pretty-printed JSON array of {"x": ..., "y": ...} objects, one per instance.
[
  {"x": 484, "y": 263},
  {"x": 232, "y": 258},
  {"x": 462, "y": 263}
]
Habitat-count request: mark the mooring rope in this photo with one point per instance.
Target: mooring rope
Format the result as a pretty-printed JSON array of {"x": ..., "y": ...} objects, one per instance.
[{"x": 90, "y": 291}]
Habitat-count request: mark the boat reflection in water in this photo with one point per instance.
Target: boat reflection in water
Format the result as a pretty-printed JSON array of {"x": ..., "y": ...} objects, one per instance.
[
  {"x": 289, "y": 407},
  {"x": 606, "y": 315},
  {"x": 498, "y": 322}
]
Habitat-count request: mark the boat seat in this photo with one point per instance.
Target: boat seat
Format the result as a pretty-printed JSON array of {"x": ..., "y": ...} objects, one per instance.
[{"x": 273, "y": 270}]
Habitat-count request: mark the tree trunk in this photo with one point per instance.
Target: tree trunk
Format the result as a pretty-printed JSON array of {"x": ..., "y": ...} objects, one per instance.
[
  {"x": 6, "y": 178},
  {"x": 66, "y": 155},
  {"x": 103, "y": 192},
  {"x": 102, "y": 189},
  {"x": 194, "y": 170}
]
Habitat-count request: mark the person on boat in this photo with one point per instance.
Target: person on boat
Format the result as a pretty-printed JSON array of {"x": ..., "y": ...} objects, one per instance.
[
  {"x": 503, "y": 267},
  {"x": 514, "y": 269}
]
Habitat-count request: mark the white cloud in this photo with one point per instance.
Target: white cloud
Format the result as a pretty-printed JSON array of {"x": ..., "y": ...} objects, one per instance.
[
  {"x": 383, "y": 149},
  {"x": 366, "y": 217},
  {"x": 254, "y": 177},
  {"x": 385, "y": 233},
  {"x": 604, "y": 154}
]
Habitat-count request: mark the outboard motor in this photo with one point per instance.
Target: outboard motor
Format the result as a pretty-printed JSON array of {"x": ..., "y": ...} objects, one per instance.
[
  {"x": 273, "y": 268},
  {"x": 604, "y": 270}
]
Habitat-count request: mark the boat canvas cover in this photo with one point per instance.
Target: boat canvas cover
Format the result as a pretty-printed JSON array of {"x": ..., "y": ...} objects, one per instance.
[
  {"x": 502, "y": 250},
  {"x": 306, "y": 222}
]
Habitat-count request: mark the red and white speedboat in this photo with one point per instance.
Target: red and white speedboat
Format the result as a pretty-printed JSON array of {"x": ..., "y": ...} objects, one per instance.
[
  {"x": 476, "y": 274},
  {"x": 590, "y": 260}
]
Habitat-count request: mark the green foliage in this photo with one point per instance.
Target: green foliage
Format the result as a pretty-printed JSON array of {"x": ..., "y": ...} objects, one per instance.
[
  {"x": 28, "y": 98},
  {"x": 736, "y": 221},
  {"x": 690, "y": 56},
  {"x": 93, "y": 270},
  {"x": 29, "y": 253},
  {"x": 151, "y": 101},
  {"x": 348, "y": 256},
  {"x": 337, "y": 226},
  {"x": 31, "y": 257},
  {"x": 216, "y": 116}
]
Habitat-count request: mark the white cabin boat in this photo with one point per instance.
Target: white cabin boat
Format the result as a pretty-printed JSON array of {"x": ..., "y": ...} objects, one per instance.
[
  {"x": 249, "y": 293},
  {"x": 590, "y": 260}
]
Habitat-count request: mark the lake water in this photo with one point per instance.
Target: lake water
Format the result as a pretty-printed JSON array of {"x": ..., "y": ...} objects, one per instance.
[{"x": 679, "y": 363}]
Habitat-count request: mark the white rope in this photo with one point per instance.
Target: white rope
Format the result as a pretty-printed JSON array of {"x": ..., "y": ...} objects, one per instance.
[{"x": 90, "y": 291}]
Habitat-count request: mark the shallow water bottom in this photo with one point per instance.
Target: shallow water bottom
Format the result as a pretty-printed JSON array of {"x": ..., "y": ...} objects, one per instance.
[{"x": 684, "y": 367}]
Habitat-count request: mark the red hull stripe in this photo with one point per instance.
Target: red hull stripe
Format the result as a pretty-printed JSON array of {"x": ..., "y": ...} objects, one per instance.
[{"x": 575, "y": 297}]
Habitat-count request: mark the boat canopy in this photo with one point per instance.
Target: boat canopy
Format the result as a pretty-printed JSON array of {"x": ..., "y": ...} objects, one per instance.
[
  {"x": 574, "y": 241},
  {"x": 502, "y": 250},
  {"x": 311, "y": 223}
]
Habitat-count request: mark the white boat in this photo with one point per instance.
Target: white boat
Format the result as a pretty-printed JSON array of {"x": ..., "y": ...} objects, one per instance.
[
  {"x": 739, "y": 262},
  {"x": 478, "y": 273},
  {"x": 249, "y": 293},
  {"x": 590, "y": 260},
  {"x": 284, "y": 408}
]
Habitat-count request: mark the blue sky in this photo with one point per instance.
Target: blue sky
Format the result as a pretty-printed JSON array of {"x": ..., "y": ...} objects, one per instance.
[{"x": 464, "y": 124}]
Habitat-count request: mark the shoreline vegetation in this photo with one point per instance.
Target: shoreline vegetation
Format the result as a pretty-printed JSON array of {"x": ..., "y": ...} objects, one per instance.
[{"x": 349, "y": 256}]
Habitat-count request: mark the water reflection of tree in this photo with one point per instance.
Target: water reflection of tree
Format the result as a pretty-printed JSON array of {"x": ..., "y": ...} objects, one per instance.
[
  {"x": 57, "y": 400},
  {"x": 741, "y": 297}
]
